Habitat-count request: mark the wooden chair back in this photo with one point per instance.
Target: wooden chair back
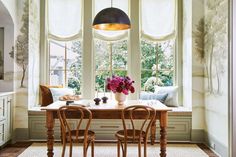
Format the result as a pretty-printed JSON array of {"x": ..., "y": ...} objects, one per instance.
[
  {"x": 82, "y": 112},
  {"x": 145, "y": 114}
]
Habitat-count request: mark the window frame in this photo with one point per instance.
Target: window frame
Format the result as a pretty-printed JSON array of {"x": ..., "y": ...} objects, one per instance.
[{"x": 88, "y": 61}]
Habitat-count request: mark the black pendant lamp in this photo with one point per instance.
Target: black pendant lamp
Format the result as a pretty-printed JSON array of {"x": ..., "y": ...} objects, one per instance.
[{"x": 111, "y": 19}]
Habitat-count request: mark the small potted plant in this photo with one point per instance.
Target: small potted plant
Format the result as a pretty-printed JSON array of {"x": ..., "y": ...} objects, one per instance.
[{"x": 120, "y": 86}]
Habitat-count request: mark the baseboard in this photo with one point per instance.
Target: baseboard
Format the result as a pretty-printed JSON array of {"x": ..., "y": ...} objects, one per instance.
[
  {"x": 21, "y": 134},
  {"x": 197, "y": 135},
  {"x": 215, "y": 145}
]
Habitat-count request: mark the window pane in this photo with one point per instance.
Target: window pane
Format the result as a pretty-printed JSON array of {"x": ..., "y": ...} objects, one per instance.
[
  {"x": 120, "y": 72},
  {"x": 74, "y": 55},
  {"x": 57, "y": 55},
  {"x": 66, "y": 64},
  {"x": 166, "y": 77},
  {"x": 148, "y": 55},
  {"x": 157, "y": 64},
  {"x": 102, "y": 55},
  {"x": 120, "y": 55},
  {"x": 75, "y": 80},
  {"x": 145, "y": 75},
  {"x": 100, "y": 79},
  {"x": 57, "y": 77}
]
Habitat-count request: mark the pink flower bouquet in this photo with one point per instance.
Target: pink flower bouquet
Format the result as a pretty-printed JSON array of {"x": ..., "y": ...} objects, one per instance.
[{"x": 118, "y": 84}]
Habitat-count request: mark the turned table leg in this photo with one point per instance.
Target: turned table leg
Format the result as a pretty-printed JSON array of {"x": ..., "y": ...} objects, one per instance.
[
  {"x": 163, "y": 133},
  {"x": 163, "y": 142},
  {"x": 153, "y": 132},
  {"x": 50, "y": 132}
]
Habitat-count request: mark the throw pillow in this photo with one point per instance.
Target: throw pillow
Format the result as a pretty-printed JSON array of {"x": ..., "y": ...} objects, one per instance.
[
  {"x": 46, "y": 95},
  {"x": 172, "y": 92},
  {"x": 58, "y": 92},
  {"x": 153, "y": 96}
]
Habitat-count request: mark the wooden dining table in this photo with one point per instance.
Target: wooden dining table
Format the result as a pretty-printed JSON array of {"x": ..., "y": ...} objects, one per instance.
[{"x": 110, "y": 110}]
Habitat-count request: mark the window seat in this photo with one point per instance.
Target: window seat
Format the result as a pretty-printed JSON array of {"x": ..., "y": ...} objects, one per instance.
[{"x": 179, "y": 125}]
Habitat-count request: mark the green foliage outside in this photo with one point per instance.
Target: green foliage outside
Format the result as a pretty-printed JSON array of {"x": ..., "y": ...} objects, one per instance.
[
  {"x": 103, "y": 59},
  {"x": 157, "y": 64},
  {"x": 75, "y": 75}
]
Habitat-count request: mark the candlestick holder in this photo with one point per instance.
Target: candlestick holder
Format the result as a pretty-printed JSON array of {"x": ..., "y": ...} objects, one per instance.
[
  {"x": 97, "y": 101},
  {"x": 104, "y": 99}
]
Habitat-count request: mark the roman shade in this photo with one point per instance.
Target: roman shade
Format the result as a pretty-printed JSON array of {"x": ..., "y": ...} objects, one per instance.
[
  {"x": 64, "y": 19},
  {"x": 158, "y": 19}
]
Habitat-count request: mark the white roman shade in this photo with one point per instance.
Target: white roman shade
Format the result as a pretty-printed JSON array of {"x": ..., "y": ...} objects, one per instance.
[
  {"x": 110, "y": 35},
  {"x": 64, "y": 19},
  {"x": 158, "y": 19}
]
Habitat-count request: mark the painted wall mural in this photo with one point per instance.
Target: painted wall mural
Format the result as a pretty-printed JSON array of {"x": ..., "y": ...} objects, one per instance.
[
  {"x": 215, "y": 44},
  {"x": 212, "y": 51},
  {"x": 21, "y": 49},
  {"x": 199, "y": 35}
]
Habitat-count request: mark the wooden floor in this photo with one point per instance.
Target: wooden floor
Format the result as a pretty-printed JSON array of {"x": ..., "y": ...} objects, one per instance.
[{"x": 13, "y": 150}]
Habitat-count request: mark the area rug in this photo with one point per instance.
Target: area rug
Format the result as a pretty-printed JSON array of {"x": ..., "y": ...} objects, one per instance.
[{"x": 109, "y": 150}]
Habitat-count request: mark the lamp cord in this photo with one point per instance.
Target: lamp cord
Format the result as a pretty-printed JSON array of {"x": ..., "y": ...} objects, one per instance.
[{"x": 111, "y": 3}]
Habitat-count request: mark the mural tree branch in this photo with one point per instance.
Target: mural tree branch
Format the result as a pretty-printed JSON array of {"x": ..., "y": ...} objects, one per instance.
[
  {"x": 21, "y": 52},
  {"x": 211, "y": 44}
]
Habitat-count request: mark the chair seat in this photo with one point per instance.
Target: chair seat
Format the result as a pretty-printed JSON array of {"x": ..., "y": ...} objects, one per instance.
[
  {"x": 91, "y": 134},
  {"x": 121, "y": 134}
]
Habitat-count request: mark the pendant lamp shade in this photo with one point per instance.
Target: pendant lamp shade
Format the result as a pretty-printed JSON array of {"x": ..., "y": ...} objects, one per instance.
[{"x": 111, "y": 19}]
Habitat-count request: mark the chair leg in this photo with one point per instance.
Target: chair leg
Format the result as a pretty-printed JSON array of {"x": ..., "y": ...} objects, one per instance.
[
  {"x": 64, "y": 147},
  {"x": 145, "y": 147},
  {"x": 92, "y": 148},
  {"x": 139, "y": 148},
  {"x": 70, "y": 154},
  {"x": 125, "y": 149},
  {"x": 61, "y": 136},
  {"x": 85, "y": 149},
  {"x": 118, "y": 148}
]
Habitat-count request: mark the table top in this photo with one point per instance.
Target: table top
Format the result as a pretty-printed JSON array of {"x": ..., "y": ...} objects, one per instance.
[{"x": 110, "y": 105}]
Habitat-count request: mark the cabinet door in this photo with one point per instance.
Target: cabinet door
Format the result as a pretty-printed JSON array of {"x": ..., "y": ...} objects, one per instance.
[
  {"x": 8, "y": 132},
  {"x": 3, "y": 108},
  {"x": 2, "y": 130}
]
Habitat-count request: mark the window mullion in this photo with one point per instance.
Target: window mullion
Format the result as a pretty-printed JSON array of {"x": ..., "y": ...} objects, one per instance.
[
  {"x": 65, "y": 77},
  {"x": 110, "y": 56},
  {"x": 156, "y": 49}
]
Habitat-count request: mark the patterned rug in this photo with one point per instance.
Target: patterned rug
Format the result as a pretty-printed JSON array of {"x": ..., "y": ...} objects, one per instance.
[{"x": 109, "y": 150}]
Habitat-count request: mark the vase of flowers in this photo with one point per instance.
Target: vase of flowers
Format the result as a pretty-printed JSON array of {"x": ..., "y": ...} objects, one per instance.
[
  {"x": 120, "y": 98},
  {"x": 120, "y": 86}
]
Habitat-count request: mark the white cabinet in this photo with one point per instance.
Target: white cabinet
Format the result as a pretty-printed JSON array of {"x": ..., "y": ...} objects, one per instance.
[{"x": 5, "y": 118}]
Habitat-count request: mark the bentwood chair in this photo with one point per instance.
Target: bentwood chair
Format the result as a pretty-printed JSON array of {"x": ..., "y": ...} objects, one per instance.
[
  {"x": 76, "y": 134},
  {"x": 138, "y": 133}
]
